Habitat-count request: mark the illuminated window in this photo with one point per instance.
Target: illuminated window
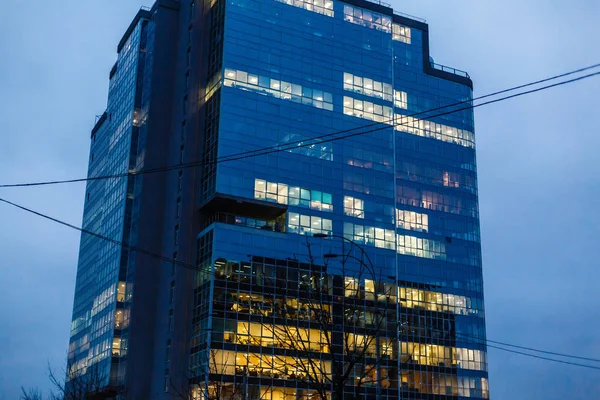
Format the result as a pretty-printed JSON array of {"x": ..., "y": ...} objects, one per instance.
[
  {"x": 119, "y": 319},
  {"x": 212, "y": 86},
  {"x": 367, "y": 86},
  {"x": 292, "y": 195},
  {"x": 440, "y": 302},
  {"x": 371, "y": 236},
  {"x": 116, "y": 347},
  {"x": 400, "y": 99},
  {"x": 362, "y": 343},
  {"x": 401, "y": 33},
  {"x": 419, "y": 247},
  {"x": 354, "y": 207},
  {"x": 268, "y": 335},
  {"x": 367, "y": 110},
  {"x": 351, "y": 287},
  {"x": 324, "y": 7},
  {"x": 367, "y": 18},
  {"x": 451, "y": 179},
  {"x": 308, "y": 224},
  {"x": 471, "y": 359},
  {"x": 427, "y": 354},
  {"x": 279, "y": 89},
  {"x": 412, "y": 221},
  {"x": 435, "y": 131},
  {"x": 265, "y": 365},
  {"x": 270, "y": 191},
  {"x": 121, "y": 291},
  {"x": 369, "y": 289}
]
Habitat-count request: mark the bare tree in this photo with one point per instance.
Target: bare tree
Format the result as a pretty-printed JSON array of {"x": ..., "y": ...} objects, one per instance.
[
  {"x": 80, "y": 385},
  {"x": 348, "y": 314},
  {"x": 31, "y": 394},
  {"x": 74, "y": 384},
  {"x": 214, "y": 387}
]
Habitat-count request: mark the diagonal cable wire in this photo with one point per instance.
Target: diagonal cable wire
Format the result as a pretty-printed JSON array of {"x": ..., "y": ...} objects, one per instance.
[
  {"x": 248, "y": 154},
  {"x": 332, "y": 136},
  {"x": 543, "y": 358},
  {"x": 97, "y": 235},
  {"x": 485, "y": 341},
  {"x": 186, "y": 265}
]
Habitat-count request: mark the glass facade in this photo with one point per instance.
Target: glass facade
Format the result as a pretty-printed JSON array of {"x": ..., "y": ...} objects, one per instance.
[
  {"x": 329, "y": 269},
  {"x": 348, "y": 267},
  {"x": 100, "y": 312}
]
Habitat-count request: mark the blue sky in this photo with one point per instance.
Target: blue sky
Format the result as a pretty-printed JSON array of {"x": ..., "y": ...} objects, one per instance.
[{"x": 538, "y": 175}]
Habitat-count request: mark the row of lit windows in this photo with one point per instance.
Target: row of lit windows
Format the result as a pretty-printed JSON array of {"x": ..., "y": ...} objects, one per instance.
[
  {"x": 324, "y": 7},
  {"x": 358, "y": 108},
  {"x": 415, "y": 126},
  {"x": 265, "y": 365},
  {"x": 447, "y": 385},
  {"x": 413, "y": 298},
  {"x": 373, "y": 88},
  {"x": 367, "y": 18},
  {"x": 292, "y": 195},
  {"x": 288, "y": 307},
  {"x": 385, "y": 239},
  {"x": 368, "y": 87},
  {"x": 434, "y": 130},
  {"x": 315, "y": 340},
  {"x": 420, "y": 247},
  {"x": 308, "y": 224},
  {"x": 423, "y": 354},
  {"x": 287, "y": 337},
  {"x": 367, "y": 110},
  {"x": 408, "y": 220},
  {"x": 233, "y": 391},
  {"x": 377, "y": 21},
  {"x": 357, "y": 16},
  {"x": 369, "y": 235},
  {"x": 280, "y": 367},
  {"x": 412, "y": 221},
  {"x": 279, "y": 89},
  {"x": 401, "y": 33},
  {"x": 385, "y": 292},
  {"x": 318, "y": 98},
  {"x": 429, "y": 354},
  {"x": 449, "y": 203},
  {"x": 440, "y": 302}
]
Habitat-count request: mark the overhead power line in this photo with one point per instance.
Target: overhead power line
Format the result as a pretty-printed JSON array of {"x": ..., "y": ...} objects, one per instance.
[
  {"x": 192, "y": 267},
  {"x": 332, "y": 137},
  {"x": 543, "y": 358},
  {"x": 335, "y": 136},
  {"x": 102, "y": 237},
  {"x": 487, "y": 341}
]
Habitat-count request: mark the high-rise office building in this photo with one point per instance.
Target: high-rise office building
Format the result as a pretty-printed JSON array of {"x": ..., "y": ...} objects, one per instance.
[{"x": 317, "y": 227}]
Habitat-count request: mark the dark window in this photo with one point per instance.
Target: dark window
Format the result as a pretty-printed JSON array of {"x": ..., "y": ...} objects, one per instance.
[{"x": 168, "y": 356}]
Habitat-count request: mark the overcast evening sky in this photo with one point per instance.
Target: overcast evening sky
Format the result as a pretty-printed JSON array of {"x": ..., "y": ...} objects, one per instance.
[{"x": 537, "y": 160}]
